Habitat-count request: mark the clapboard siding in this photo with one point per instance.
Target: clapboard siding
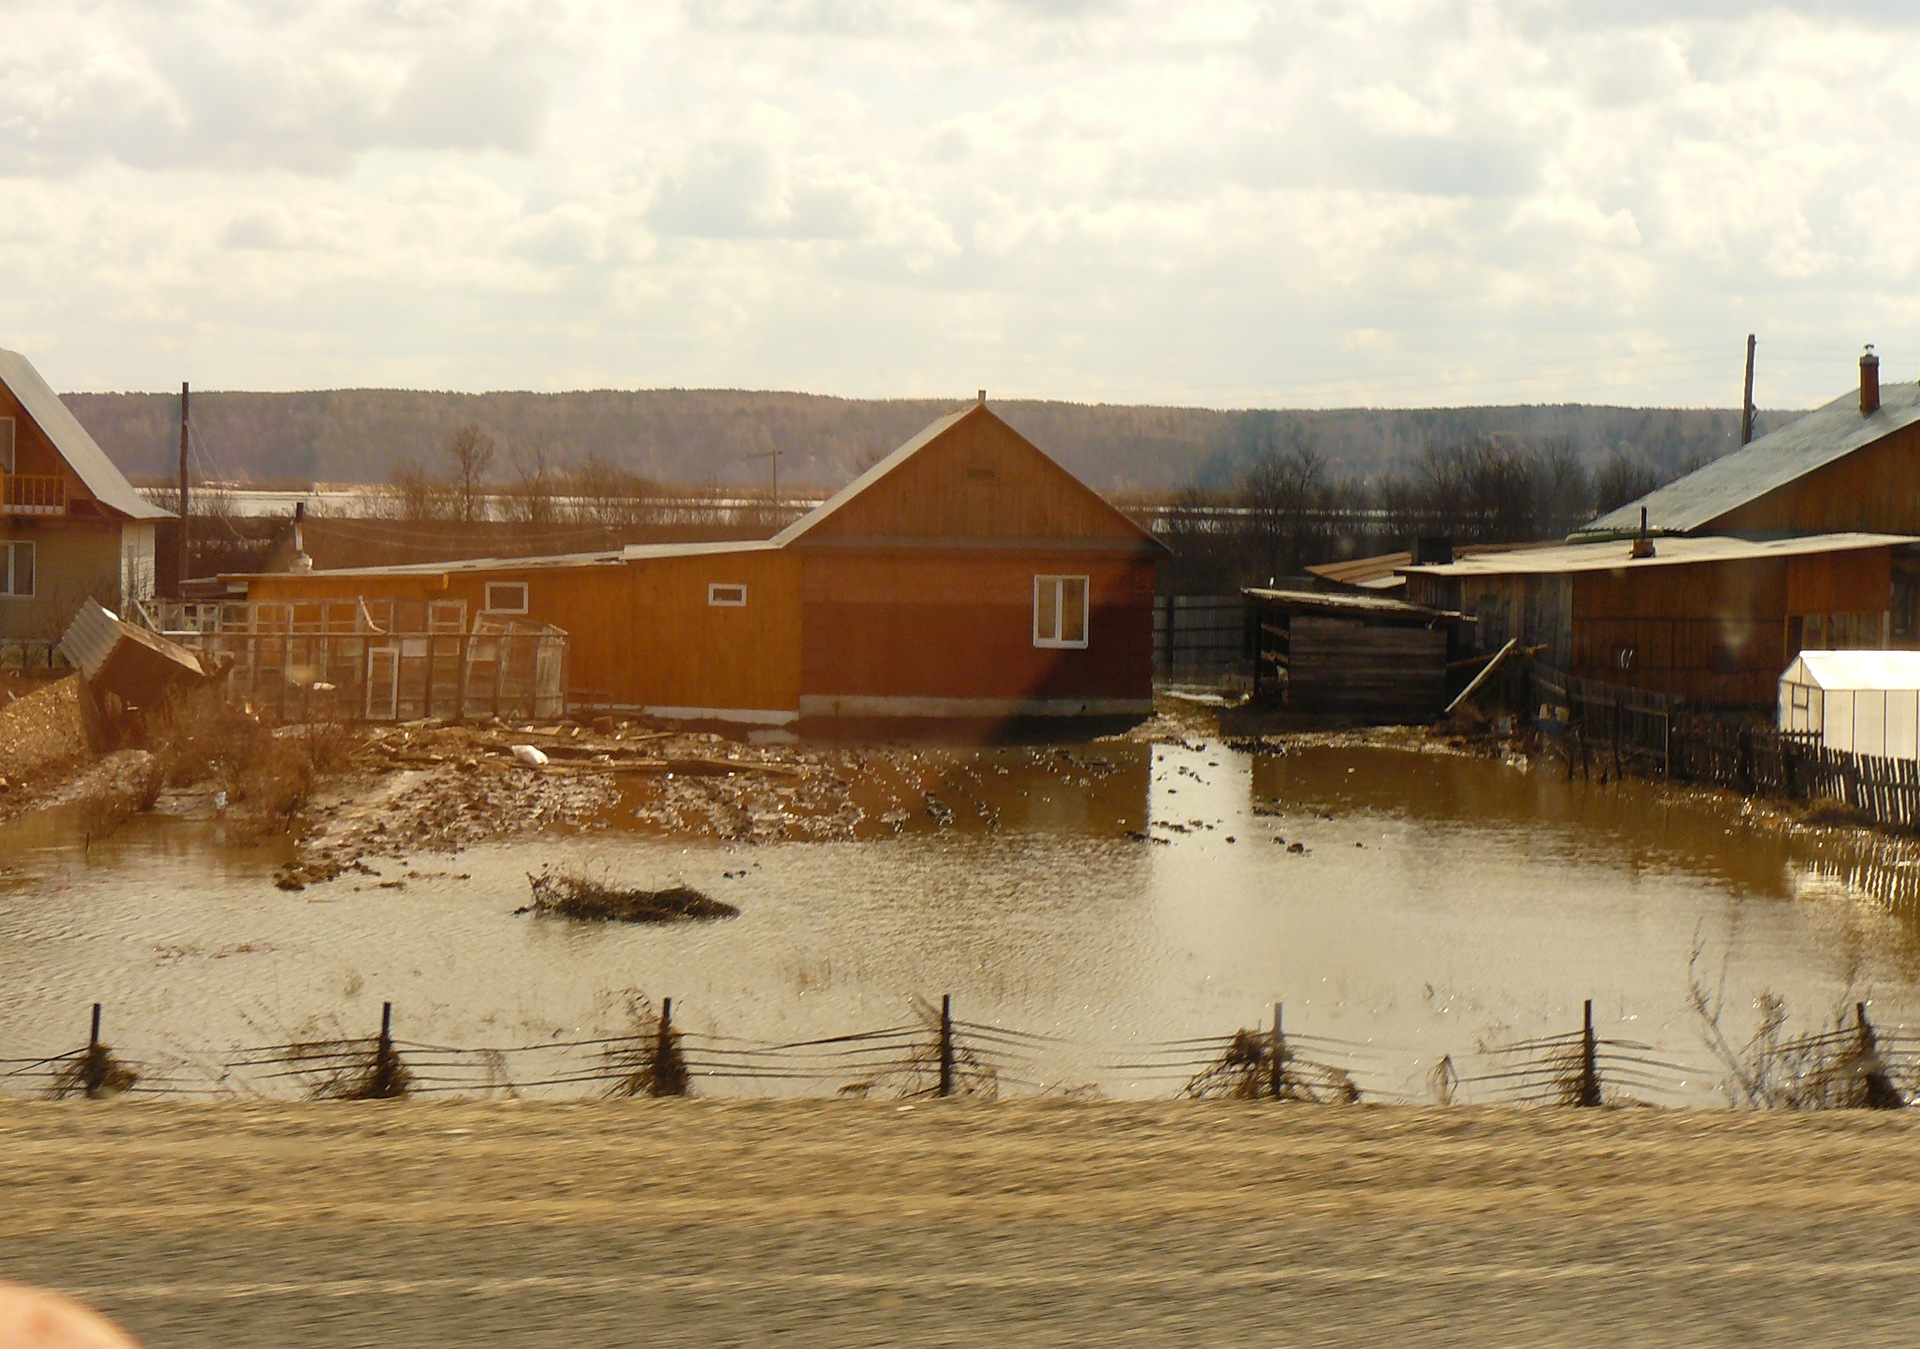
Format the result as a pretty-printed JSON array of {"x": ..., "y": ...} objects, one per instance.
[{"x": 1336, "y": 665}]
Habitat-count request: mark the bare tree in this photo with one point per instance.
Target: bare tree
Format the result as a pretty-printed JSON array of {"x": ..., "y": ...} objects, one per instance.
[
  {"x": 1280, "y": 491},
  {"x": 471, "y": 452},
  {"x": 1621, "y": 480},
  {"x": 532, "y": 499},
  {"x": 416, "y": 494}
]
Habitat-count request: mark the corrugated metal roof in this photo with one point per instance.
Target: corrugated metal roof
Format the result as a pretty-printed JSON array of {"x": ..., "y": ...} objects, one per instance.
[
  {"x": 90, "y": 638},
  {"x": 83, "y": 455},
  {"x": 1771, "y": 462},
  {"x": 1615, "y": 555},
  {"x": 117, "y": 657},
  {"x": 1856, "y": 669}
]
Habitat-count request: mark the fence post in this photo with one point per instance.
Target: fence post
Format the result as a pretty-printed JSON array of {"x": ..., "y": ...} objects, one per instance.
[
  {"x": 1877, "y": 1089},
  {"x": 1589, "y": 1092},
  {"x": 946, "y": 1044},
  {"x": 1619, "y": 716},
  {"x": 93, "y": 1073},
  {"x": 1277, "y": 1068},
  {"x": 669, "y": 1069}
]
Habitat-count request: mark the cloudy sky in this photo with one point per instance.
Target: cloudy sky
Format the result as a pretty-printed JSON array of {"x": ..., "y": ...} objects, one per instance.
[{"x": 1222, "y": 202}]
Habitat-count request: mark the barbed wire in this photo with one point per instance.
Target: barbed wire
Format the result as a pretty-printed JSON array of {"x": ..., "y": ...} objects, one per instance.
[{"x": 936, "y": 1053}]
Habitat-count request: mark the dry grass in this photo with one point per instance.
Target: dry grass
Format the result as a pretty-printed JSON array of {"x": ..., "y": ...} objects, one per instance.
[
  {"x": 1247, "y": 1070},
  {"x": 199, "y": 737},
  {"x": 651, "y": 1064},
  {"x": 126, "y": 790},
  {"x": 351, "y": 1070},
  {"x": 573, "y": 894},
  {"x": 1826, "y": 811},
  {"x": 95, "y": 1074},
  {"x": 1837, "y": 1067}
]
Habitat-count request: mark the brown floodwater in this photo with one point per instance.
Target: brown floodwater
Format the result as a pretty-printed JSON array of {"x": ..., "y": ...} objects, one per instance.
[{"x": 1113, "y": 896}]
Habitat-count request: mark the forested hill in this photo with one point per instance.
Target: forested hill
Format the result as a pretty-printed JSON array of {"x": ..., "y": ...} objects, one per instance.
[{"x": 701, "y": 437}]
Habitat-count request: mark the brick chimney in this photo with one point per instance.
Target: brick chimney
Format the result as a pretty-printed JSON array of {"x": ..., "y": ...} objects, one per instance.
[{"x": 1869, "y": 383}]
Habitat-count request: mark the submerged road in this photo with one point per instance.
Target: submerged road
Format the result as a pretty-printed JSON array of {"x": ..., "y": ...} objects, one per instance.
[{"x": 830, "y": 1223}]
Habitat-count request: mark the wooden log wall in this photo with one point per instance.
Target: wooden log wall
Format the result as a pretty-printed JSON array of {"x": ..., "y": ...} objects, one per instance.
[{"x": 1336, "y": 665}]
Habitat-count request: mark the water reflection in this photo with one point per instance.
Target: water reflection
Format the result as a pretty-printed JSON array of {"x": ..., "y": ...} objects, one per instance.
[{"x": 1422, "y": 903}]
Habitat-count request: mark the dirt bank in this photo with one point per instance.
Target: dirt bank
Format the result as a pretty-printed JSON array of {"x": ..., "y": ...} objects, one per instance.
[{"x": 1046, "y": 1223}]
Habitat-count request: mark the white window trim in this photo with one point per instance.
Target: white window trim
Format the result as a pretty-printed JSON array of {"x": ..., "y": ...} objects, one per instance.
[
  {"x": 1055, "y": 642},
  {"x": 493, "y": 608},
  {"x": 7, "y": 574},
  {"x": 715, "y": 589}
]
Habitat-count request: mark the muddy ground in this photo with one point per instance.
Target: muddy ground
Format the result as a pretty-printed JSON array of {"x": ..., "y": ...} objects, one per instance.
[{"x": 832, "y": 1223}]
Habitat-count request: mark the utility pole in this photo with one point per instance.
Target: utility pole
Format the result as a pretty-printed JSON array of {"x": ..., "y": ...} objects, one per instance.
[
  {"x": 1746, "y": 401},
  {"x": 774, "y": 456},
  {"x": 180, "y": 582}
]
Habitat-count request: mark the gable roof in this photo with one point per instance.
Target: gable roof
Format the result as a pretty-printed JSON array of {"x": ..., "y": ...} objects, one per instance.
[
  {"x": 1820, "y": 438},
  {"x": 927, "y": 436},
  {"x": 70, "y": 439}
]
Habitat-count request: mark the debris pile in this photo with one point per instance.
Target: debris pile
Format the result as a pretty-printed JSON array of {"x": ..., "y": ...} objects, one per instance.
[{"x": 570, "y": 894}]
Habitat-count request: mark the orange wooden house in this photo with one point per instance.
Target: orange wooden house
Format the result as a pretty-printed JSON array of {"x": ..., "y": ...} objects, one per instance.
[{"x": 966, "y": 575}]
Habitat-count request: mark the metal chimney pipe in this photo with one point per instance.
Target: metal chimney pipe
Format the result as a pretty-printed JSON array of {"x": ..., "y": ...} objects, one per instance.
[{"x": 1869, "y": 383}]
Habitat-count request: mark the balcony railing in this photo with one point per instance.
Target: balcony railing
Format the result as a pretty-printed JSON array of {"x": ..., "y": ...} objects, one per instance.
[{"x": 32, "y": 494}]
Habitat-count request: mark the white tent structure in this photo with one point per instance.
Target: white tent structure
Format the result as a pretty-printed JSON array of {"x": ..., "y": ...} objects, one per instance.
[{"x": 1866, "y": 702}]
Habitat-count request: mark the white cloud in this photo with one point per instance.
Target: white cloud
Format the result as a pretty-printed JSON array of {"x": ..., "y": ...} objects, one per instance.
[{"x": 1228, "y": 202}]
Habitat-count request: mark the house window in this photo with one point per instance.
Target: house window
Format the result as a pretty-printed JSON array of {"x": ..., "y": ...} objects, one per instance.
[
  {"x": 723, "y": 596},
  {"x": 1060, "y": 611},
  {"x": 506, "y": 597},
  {"x": 16, "y": 569},
  {"x": 6, "y": 445}
]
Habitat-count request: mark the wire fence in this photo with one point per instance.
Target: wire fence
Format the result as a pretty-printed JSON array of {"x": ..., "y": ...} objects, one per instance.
[
  {"x": 1613, "y": 729},
  {"x": 935, "y": 1054}
]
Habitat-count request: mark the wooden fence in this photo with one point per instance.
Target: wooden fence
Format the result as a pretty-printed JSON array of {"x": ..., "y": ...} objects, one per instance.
[
  {"x": 1199, "y": 636},
  {"x": 1611, "y": 726},
  {"x": 24, "y": 653}
]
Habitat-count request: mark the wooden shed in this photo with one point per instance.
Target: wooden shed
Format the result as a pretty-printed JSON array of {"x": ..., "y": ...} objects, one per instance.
[
  {"x": 1368, "y": 656},
  {"x": 1710, "y": 620},
  {"x": 966, "y": 575}
]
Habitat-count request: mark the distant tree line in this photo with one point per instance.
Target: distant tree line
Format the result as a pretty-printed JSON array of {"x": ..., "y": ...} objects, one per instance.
[
  {"x": 693, "y": 437},
  {"x": 1287, "y": 509},
  {"x": 474, "y": 479}
]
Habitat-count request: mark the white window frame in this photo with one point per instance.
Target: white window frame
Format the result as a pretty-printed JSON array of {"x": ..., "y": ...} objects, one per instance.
[
  {"x": 1058, "y": 586},
  {"x": 10, "y": 569},
  {"x": 726, "y": 595},
  {"x": 494, "y": 608}
]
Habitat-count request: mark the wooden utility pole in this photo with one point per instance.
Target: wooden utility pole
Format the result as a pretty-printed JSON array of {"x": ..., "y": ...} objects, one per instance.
[
  {"x": 1746, "y": 400},
  {"x": 774, "y": 456},
  {"x": 180, "y": 537}
]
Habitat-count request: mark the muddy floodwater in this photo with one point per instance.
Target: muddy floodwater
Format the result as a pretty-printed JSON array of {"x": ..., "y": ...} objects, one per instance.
[{"x": 1406, "y": 904}]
